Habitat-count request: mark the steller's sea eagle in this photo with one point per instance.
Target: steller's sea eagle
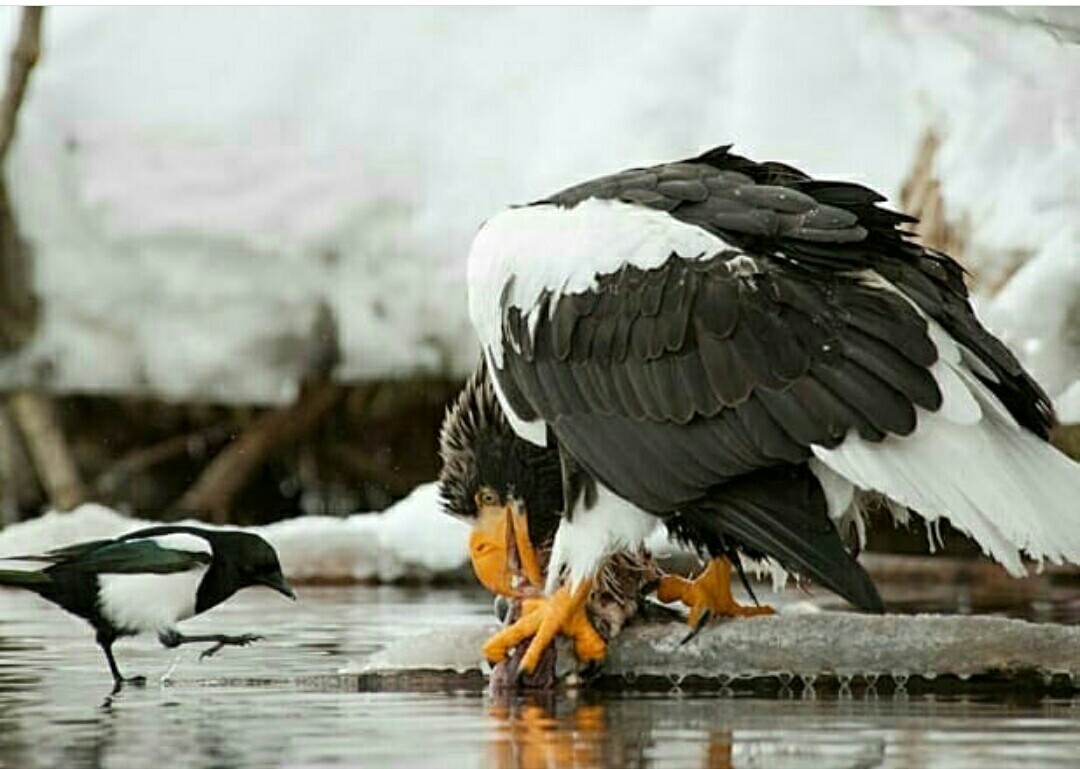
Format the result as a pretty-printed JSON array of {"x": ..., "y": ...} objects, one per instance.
[
  {"x": 510, "y": 491},
  {"x": 736, "y": 348}
]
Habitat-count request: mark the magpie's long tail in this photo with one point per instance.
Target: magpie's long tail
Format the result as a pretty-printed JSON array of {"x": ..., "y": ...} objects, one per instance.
[
  {"x": 782, "y": 513},
  {"x": 30, "y": 580}
]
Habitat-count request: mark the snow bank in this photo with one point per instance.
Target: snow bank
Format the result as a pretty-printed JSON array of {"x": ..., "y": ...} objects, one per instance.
[
  {"x": 412, "y": 540},
  {"x": 197, "y": 181}
]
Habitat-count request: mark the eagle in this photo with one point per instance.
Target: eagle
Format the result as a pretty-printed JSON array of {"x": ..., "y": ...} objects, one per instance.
[
  {"x": 511, "y": 492},
  {"x": 738, "y": 351}
]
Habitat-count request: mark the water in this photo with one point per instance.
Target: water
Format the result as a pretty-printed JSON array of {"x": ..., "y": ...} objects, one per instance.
[{"x": 54, "y": 708}]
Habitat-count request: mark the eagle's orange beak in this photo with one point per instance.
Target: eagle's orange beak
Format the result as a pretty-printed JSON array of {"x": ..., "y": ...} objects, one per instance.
[{"x": 501, "y": 551}]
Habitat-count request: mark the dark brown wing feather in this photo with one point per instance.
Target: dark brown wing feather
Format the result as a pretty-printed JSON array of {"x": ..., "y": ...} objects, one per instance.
[{"x": 760, "y": 366}]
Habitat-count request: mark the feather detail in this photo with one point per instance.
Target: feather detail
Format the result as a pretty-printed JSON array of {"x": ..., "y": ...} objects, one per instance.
[{"x": 972, "y": 463}]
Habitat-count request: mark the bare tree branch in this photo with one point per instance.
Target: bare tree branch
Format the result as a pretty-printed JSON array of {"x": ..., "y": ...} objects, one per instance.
[
  {"x": 23, "y": 58},
  {"x": 36, "y": 417},
  {"x": 18, "y": 305},
  {"x": 225, "y": 477},
  {"x": 144, "y": 458},
  {"x": 35, "y": 414}
]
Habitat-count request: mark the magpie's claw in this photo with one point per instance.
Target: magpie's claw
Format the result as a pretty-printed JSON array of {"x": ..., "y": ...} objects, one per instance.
[
  {"x": 212, "y": 650},
  {"x": 120, "y": 683},
  {"x": 706, "y": 616},
  {"x": 230, "y": 640}
]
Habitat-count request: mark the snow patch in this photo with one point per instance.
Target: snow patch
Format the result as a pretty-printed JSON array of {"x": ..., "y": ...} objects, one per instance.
[
  {"x": 411, "y": 540},
  {"x": 1068, "y": 405},
  {"x": 134, "y": 182}
]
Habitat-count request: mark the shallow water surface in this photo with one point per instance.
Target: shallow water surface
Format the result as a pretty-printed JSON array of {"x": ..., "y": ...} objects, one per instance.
[{"x": 54, "y": 708}]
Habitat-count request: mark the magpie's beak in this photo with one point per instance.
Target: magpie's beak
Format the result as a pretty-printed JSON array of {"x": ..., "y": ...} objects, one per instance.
[
  {"x": 278, "y": 583},
  {"x": 500, "y": 550}
]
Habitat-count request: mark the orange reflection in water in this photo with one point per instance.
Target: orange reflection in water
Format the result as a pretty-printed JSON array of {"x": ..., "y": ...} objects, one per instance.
[{"x": 532, "y": 734}]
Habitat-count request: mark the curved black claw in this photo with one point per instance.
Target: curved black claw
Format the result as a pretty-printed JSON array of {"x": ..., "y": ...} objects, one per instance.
[
  {"x": 706, "y": 616},
  {"x": 230, "y": 640},
  {"x": 502, "y": 607},
  {"x": 591, "y": 671},
  {"x": 649, "y": 588}
]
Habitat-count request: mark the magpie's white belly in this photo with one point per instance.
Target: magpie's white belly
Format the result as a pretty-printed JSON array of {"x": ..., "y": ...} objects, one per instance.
[{"x": 148, "y": 602}]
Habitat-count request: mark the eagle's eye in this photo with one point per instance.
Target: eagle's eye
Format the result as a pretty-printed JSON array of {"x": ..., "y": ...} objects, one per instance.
[{"x": 487, "y": 497}]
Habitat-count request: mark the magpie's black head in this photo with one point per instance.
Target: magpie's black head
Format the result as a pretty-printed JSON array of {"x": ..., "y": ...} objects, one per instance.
[
  {"x": 485, "y": 463},
  {"x": 247, "y": 560},
  {"x": 509, "y": 490}
]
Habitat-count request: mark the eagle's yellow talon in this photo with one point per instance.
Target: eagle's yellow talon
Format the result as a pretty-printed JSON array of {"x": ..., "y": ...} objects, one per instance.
[
  {"x": 497, "y": 648},
  {"x": 709, "y": 592},
  {"x": 562, "y": 613},
  {"x": 589, "y": 646}
]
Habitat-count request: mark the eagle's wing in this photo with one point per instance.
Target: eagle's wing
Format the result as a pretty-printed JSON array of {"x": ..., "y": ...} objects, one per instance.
[
  {"x": 667, "y": 382},
  {"x": 813, "y": 328}
]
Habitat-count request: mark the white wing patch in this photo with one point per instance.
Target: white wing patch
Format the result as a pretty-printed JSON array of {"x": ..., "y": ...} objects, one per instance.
[
  {"x": 184, "y": 543},
  {"x": 533, "y": 431},
  {"x": 972, "y": 463},
  {"x": 523, "y": 252},
  {"x": 149, "y": 602}
]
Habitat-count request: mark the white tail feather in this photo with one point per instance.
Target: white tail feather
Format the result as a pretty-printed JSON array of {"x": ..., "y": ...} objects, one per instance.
[{"x": 972, "y": 463}]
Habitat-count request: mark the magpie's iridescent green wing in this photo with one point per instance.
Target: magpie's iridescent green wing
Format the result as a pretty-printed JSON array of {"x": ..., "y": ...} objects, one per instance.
[
  {"x": 139, "y": 556},
  {"x": 126, "y": 556}
]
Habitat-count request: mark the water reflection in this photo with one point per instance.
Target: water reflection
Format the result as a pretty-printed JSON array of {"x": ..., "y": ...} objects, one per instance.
[
  {"x": 256, "y": 707},
  {"x": 531, "y": 735},
  {"x": 542, "y": 733}
]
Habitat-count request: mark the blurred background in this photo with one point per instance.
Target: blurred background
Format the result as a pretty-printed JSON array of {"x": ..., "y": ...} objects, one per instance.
[{"x": 232, "y": 277}]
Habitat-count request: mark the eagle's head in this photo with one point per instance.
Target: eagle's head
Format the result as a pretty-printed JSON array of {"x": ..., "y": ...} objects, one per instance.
[{"x": 509, "y": 490}]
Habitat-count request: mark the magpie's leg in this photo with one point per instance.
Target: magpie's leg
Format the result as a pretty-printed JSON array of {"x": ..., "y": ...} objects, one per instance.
[
  {"x": 106, "y": 641},
  {"x": 171, "y": 639}
]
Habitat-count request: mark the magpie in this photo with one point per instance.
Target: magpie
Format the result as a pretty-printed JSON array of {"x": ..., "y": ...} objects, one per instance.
[{"x": 150, "y": 579}]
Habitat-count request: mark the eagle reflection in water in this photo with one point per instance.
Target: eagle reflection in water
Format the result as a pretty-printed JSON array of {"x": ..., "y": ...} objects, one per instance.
[{"x": 533, "y": 734}]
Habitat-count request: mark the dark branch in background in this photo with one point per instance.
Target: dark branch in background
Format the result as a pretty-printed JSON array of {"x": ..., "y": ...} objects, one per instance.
[
  {"x": 23, "y": 58},
  {"x": 19, "y": 488},
  {"x": 921, "y": 197},
  {"x": 18, "y": 305},
  {"x": 143, "y": 459},
  {"x": 37, "y": 419},
  {"x": 226, "y": 476},
  {"x": 1067, "y": 438},
  {"x": 35, "y": 414},
  {"x": 364, "y": 466}
]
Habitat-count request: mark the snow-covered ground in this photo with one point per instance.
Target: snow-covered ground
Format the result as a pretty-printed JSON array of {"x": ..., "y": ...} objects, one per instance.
[
  {"x": 411, "y": 541},
  {"x": 197, "y": 181}
]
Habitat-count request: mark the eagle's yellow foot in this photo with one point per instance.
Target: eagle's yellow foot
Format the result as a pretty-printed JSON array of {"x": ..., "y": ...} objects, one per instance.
[
  {"x": 562, "y": 613},
  {"x": 709, "y": 595}
]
